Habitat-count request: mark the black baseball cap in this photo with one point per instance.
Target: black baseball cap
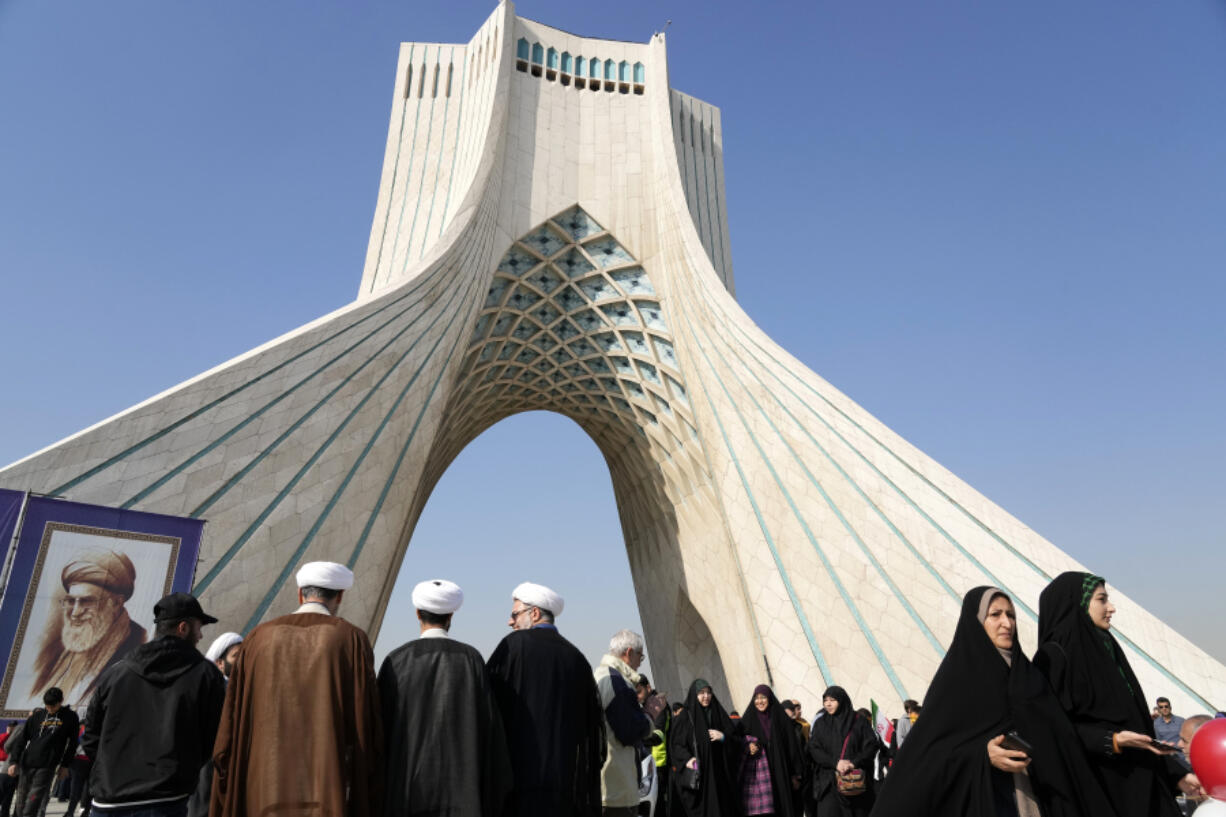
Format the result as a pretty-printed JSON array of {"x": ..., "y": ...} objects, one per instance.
[{"x": 180, "y": 605}]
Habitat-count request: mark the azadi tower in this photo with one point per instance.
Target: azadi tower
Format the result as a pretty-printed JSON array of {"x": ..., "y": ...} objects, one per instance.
[{"x": 551, "y": 233}]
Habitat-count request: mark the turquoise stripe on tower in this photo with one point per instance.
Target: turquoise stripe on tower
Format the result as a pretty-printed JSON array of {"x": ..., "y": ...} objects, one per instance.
[
  {"x": 292, "y": 562},
  {"x": 408, "y": 177},
  {"x": 438, "y": 168},
  {"x": 782, "y": 406},
  {"x": 62, "y": 490},
  {"x": 842, "y": 590},
  {"x": 847, "y": 526},
  {"x": 213, "y": 572},
  {"x": 455, "y": 150},
  {"x": 223, "y": 438},
  {"x": 387, "y": 213},
  {"x": 421, "y": 175},
  {"x": 823, "y": 667}
]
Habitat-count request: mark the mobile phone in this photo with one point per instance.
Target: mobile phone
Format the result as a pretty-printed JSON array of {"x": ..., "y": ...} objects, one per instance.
[
  {"x": 1016, "y": 743},
  {"x": 1163, "y": 747}
]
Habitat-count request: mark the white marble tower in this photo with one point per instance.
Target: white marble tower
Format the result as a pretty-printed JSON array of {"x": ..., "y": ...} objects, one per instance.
[{"x": 551, "y": 233}]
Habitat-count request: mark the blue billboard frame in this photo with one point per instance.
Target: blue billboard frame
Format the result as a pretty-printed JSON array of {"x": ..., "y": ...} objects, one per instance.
[{"x": 44, "y": 517}]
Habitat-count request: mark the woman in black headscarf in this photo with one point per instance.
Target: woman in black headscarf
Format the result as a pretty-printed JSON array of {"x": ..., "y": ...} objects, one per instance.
[
  {"x": 771, "y": 762},
  {"x": 953, "y": 761},
  {"x": 1097, "y": 688},
  {"x": 840, "y": 741},
  {"x": 704, "y": 737}
]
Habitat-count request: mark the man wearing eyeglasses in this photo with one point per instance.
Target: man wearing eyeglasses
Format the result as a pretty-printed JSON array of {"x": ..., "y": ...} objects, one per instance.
[
  {"x": 89, "y": 629},
  {"x": 551, "y": 710},
  {"x": 626, "y": 725},
  {"x": 1166, "y": 729},
  {"x": 1167, "y": 725}
]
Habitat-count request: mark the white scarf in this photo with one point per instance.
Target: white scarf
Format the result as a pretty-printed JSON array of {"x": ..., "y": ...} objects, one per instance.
[{"x": 621, "y": 666}]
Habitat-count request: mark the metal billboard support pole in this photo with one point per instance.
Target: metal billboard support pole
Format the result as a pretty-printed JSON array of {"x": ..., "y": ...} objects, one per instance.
[{"x": 11, "y": 551}]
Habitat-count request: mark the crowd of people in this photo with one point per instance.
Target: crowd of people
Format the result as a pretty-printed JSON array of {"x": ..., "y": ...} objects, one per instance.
[
  {"x": 1068, "y": 734},
  {"x": 296, "y": 719}
]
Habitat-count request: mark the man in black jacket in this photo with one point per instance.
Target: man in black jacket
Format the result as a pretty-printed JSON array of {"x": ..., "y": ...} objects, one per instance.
[
  {"x": 47, "y": 743},
  {"x": 153, "y": 718}
]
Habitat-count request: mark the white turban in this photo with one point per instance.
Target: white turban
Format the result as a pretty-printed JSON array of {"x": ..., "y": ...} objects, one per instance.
[
  {"x": 222, "y": 644},
  {"x": 438, "y": 596},
  {"x": 538, "y": 595},
  {"x": 328, "y": 575}
]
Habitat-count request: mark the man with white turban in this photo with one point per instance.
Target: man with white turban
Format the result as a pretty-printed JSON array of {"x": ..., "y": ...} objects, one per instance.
[
  {"x": 551, "y": 710},
  {"x": 223, "y": 652},
  {"x": 301, "y": 730},
  {"x": 446, "y": 750}
]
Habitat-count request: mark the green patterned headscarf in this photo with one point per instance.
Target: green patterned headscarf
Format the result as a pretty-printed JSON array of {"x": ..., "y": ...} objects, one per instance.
[
  {"x": 1090, "y": 583},
  {"x": 1091, "y": 682}
]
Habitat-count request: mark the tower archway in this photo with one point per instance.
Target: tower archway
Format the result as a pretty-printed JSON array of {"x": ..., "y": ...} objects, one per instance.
[{"x": 571, "y": 323}]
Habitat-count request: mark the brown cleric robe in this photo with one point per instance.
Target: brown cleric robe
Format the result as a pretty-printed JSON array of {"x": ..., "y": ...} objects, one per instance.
[{"x": 300, "y": 733}]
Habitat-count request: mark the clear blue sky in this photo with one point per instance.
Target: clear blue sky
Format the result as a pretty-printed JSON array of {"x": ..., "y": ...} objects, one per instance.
[{"x": 998, "y": 227}]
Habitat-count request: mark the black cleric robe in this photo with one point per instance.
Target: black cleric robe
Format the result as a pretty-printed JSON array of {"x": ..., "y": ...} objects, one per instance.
[
  {"x": 554, "y": 723},
  {"x": 446, "y": 750}
]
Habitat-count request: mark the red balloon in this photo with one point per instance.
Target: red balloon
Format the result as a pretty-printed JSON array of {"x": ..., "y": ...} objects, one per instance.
[{"x": 1208, "y": 756}]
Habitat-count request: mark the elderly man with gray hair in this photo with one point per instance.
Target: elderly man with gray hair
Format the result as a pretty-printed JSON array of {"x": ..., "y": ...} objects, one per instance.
[
  {"x": 1186, "y": 732},
  {"x": 626, "y": 725}
]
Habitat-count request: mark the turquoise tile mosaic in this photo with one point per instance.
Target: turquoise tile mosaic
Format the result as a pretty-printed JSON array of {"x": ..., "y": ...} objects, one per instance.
[{"x": 575, "y": 316}]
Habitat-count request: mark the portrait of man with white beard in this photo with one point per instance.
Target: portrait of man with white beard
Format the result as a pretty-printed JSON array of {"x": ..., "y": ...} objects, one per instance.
[
  {"x": 89, "y": 628},
  {"x": 82, "y": 584}
]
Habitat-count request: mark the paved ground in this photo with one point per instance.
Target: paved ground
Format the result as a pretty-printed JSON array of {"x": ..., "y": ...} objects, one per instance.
[{"x": 55, "y": 807}]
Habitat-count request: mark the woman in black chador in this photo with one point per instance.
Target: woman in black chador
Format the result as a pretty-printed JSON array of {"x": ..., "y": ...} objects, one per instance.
[
  {"x": 1097, "y": 688},
  {"x": 704, "y": 735},
  {"x": 954, "y": 760},
  {"x": 771, "y": 767},
  {"x": 838, "y": 741}
]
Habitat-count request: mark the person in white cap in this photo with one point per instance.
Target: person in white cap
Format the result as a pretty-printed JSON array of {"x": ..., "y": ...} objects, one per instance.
[
  {"x": 223, "y": 652},
  {"x": 551, "y": 710},
  {"x": 301, "y": 730},
  {"x": 446, "y": 749}
]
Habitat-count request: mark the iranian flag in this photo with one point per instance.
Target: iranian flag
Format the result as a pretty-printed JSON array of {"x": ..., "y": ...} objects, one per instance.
[{"x": 883, "y": 725}]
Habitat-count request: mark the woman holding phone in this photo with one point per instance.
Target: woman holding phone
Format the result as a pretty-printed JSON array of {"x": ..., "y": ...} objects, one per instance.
[
  {"x": 1096, "y": 686},
  {"x": 993, "y": 740}
]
